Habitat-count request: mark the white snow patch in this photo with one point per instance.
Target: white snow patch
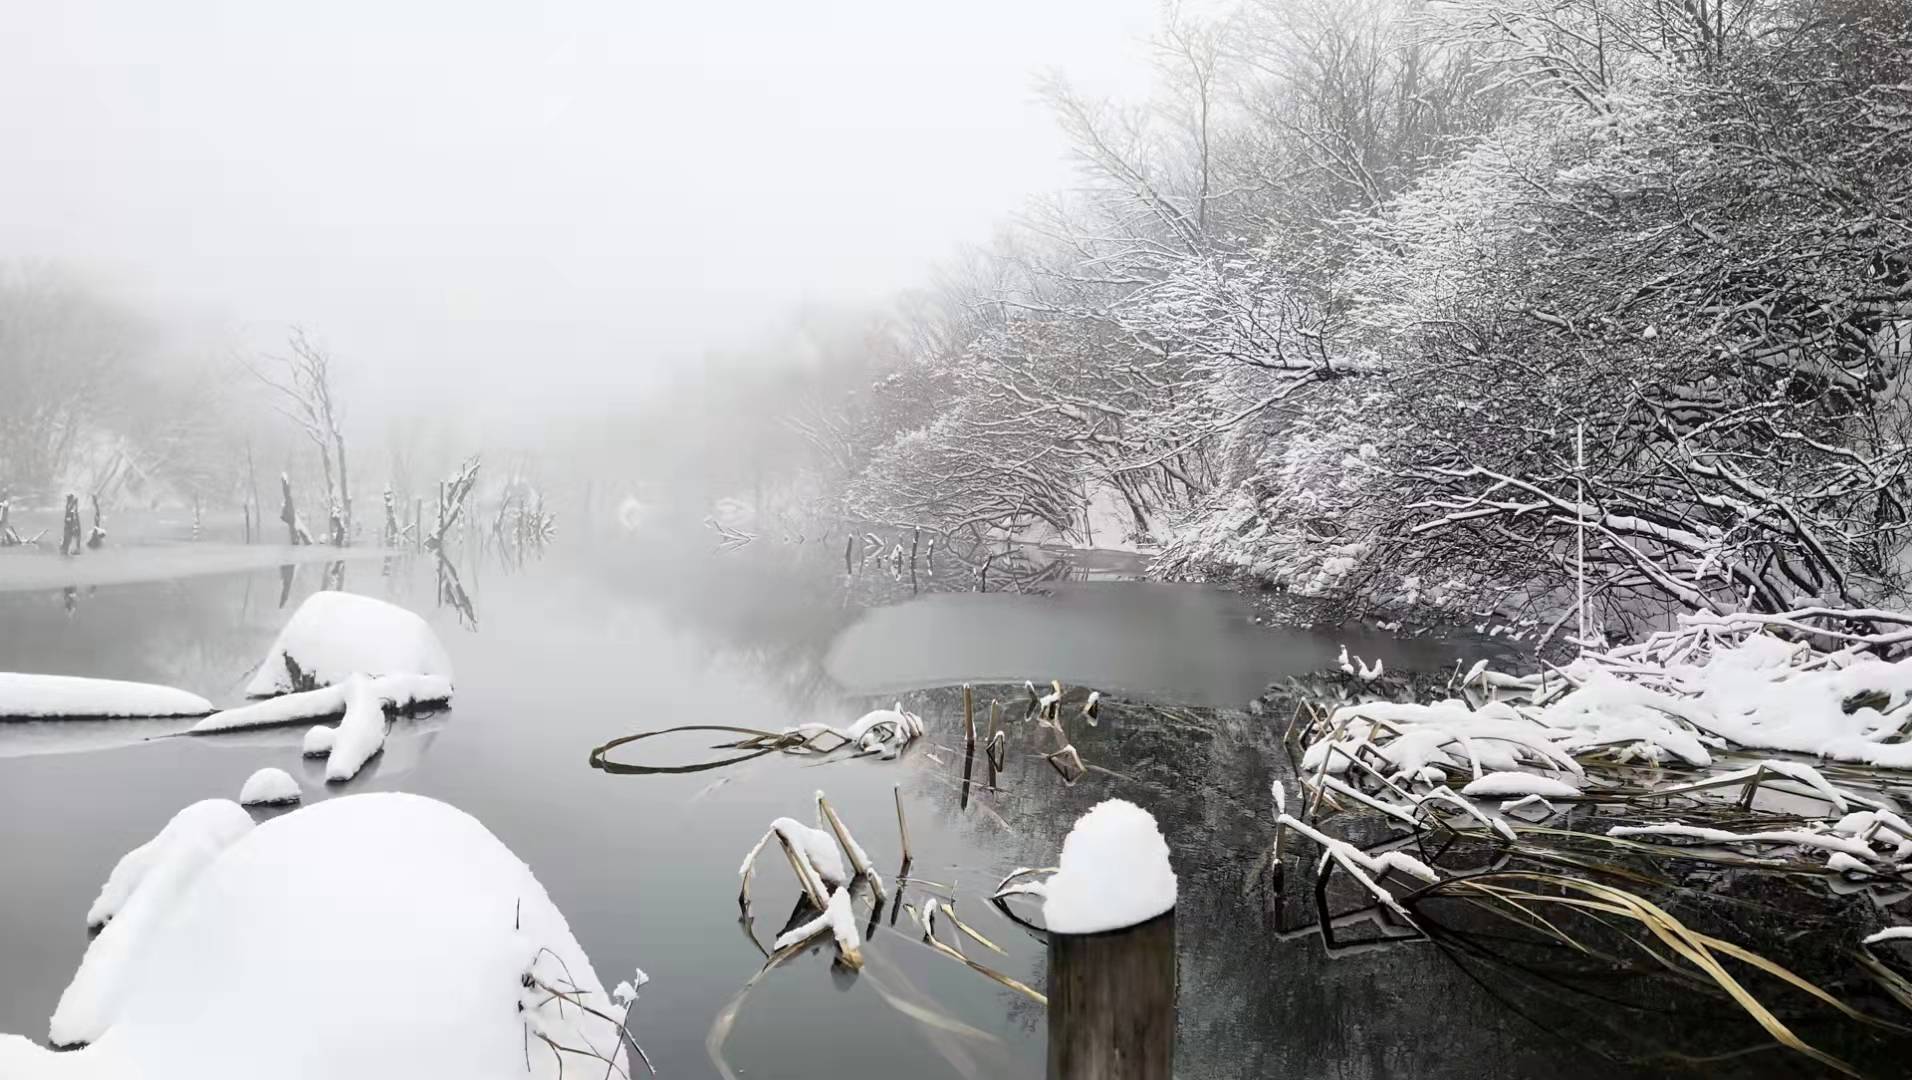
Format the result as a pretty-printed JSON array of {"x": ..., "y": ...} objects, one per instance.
[
  {"x": 1114, "y": 872},
  {"x": 1508, "y": 784},
  {"x": 136, "y": 901},
  {"x": 317, "y": 741},
  {"x": 815, "y": 848},
  {"x": 397, "y": 691},
  {"x": 271, "y": 963},
  {"x": 1890, "y": 933},
  {"x": 26, "y": 696},
  {"x": 335, "y": 635},
  {"x": 361, "y": 734},
  {"x": 839, "y": 918},
  {"x": 269, "y": 787}
]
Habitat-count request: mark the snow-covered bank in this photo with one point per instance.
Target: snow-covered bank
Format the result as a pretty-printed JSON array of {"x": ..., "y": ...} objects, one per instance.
[
  {"x": 373, "y": 936},
  {"x": 335, "y": 635},
  {"x": 1684, "y": 697},
  {"x": 27, "y": 696}
]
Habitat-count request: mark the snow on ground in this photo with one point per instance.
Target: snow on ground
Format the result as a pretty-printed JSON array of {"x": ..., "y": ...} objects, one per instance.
[
  {"x": 138, "y": 898},
  {"x": 269, "y": 787},
  {"x": 25, "y": 696},
  {"x": 1114, "y": 872},
  {"x": 379, "y": 936},
  {"x": 335, "y": 635}
]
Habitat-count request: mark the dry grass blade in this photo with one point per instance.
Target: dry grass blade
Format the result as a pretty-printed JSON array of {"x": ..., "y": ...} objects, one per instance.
[
  {"x": 971, "y": 932},
  {"x": 859, "y": 861},
  {"x": 1696, "y": 948}
]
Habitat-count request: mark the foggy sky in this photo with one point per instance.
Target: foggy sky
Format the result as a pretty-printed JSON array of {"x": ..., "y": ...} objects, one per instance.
[{"x": 534, "y": 198}]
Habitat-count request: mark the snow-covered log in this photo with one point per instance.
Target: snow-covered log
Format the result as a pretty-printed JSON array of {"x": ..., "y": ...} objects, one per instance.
[{"x": 28, "y": 696}]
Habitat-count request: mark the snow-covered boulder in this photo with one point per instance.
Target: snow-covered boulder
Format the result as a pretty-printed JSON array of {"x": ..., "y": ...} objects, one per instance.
[
  {"x": 269, "y": 787},
  {"x": 1114, "y": 872},
  {"x": 335, "y": 635},
  {"x": 25, "y": 696},
  {"x": 286, "y": 955},
  {"x": 138, "y": 897}
]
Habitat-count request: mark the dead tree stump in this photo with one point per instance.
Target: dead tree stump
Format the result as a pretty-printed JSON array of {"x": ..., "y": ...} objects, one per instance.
[
  {"x": 70, "y": 538},
  {"x": 1112, "y": 1003}
]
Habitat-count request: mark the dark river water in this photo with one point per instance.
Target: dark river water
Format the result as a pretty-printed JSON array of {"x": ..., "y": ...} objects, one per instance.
[{"x": 597, "y": 640}]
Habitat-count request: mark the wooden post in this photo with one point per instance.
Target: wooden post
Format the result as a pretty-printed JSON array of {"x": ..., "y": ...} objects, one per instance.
[{"x": 1112, "y": 1003}]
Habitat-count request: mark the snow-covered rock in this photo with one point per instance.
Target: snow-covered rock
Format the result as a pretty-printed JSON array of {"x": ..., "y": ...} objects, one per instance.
[
  {"x": 285, "y": 955},
  {"x": 269, "y": 787},
  {"x": 1114, "y": 872},
  {"x": 25, "y": 696},
  {"x": 137, "y": 899},
  {"x": 335, "y": 635}
]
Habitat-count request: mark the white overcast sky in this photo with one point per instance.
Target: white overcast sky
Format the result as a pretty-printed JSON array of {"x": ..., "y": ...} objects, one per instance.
[{"x": 541, "y": 195}]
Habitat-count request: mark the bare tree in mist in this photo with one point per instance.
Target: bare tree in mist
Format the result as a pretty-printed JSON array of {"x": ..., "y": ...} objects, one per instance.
[{"x": 306, "y": 395}]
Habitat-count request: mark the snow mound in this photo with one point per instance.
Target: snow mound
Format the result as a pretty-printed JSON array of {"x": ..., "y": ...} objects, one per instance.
[
  {"x": 269, "y": 787},
  {"x": 25, "y": 696},
  {"x": 138, "y": 898},
  {"x": 1114, "y": 872},
  {"x": 278, "y": 961},
  {"x": 1502, "y": 784},
  {"x": 335, "y": 635},
  {"x": 318, "y": 741}
]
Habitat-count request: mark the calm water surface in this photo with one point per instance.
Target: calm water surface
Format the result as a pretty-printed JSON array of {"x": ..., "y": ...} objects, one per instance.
[{"x": 604, "y": 640}]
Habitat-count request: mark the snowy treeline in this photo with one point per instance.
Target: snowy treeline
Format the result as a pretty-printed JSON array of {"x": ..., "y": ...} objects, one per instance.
[{"x": 1336, "y": 303}]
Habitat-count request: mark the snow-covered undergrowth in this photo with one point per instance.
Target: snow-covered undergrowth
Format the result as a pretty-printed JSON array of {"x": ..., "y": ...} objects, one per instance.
[
  {"x": 27, "y": 696},
  {"x": 335, "y": 635},
  {"x": 373, "y": 936},
  {"x": 880, "y": 731},
  {"x": 828, "y": 862},
  {"x": 1673, "y": 743}
]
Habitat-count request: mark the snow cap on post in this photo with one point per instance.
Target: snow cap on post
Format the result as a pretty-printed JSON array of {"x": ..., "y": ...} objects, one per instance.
[{"x": 1114, "y": 872}]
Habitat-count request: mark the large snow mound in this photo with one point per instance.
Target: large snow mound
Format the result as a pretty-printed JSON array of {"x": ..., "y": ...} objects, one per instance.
[
  {"x": 334, "y": 635},
  {"x": 378, "y": 937},
  {"x": 26, "y": 696},
  {"x": 1114, "y": 872},
  {"x": 138, "y": 897}
]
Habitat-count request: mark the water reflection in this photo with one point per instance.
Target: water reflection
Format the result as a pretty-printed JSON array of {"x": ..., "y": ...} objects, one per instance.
[{"x": 591, "y": 644}]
